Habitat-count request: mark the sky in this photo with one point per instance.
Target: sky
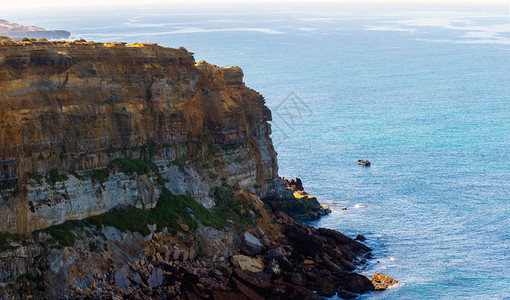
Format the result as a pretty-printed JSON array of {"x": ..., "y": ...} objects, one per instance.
[{"x": 34, "y": 4}]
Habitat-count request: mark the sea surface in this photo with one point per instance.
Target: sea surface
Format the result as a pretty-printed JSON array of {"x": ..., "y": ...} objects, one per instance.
[{"x": 424, "y": 93}]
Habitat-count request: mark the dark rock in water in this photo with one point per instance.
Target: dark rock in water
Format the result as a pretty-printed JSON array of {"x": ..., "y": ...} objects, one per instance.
[
  {"x": 295, "y": 184},
  {"x": 360, "y": 238},
  {"x": 346, "y": 294},
  {"x": 327, "y": 287},
  {"x": 358, "y": 283},
  {"x": 382, "y": 282}
]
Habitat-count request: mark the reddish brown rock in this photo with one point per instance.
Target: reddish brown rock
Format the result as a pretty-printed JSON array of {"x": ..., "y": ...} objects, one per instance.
[
  {"x": 248, "y": 292},
  {"x": 256, "y": 280}
]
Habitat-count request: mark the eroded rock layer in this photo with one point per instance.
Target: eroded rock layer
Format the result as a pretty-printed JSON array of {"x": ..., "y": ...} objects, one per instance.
[{"x": 70, "y": 109}]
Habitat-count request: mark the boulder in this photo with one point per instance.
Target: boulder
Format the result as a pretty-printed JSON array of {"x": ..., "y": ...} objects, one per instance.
[
  {"x": 327, "y": 287},
  {"x": 185, "y": 255},
  {"x": 177, "y": 254},
  {"x": 250, "y": 293},
  {"x": 273, "y": 268},
  {"x": 247, "y": 263},
  {"x": 192, "y": 254},
  {"x": 121, "y": 277},
  {"x": 358, "y": 283},
  {"x": 137, "y": 279},
  {"x": 278, "y": 254},
  {"x": 382, "y": 282},
  {"x": 253, "y": 245},
  {"x": 294, "y": 278},
  {"x": 257, "y": 280},
  {"x": 156, "y": 278}
]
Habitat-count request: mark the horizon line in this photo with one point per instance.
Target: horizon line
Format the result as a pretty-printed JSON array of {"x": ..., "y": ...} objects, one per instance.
[{"x": 36, "y": 4}]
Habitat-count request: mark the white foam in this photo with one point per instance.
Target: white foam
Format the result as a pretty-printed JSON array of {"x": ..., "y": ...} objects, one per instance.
[{"x": 184, "y": 30}]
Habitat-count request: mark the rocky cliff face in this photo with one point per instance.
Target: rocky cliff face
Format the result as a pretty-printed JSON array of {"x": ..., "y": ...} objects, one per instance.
[{"x": 69, "y": 109}]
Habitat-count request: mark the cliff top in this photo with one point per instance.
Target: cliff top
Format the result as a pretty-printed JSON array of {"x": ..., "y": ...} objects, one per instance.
[{"x": 78, "y": 43}]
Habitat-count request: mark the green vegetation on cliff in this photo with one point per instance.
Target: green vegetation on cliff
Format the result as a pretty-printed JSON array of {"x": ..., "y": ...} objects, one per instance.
[
  {"x": 130, "y": 167},
  {"x": 227, "y": 208},
  {"x": 167, "y": 213}
]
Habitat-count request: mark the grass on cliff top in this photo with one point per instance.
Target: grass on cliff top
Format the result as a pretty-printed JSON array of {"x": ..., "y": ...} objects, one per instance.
[{"x": 169, "y": 209}]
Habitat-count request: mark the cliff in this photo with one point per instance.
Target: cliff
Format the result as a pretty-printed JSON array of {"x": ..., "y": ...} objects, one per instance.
[
  {"x": 154, "y": 166},
  {"x": 17, "y": 31},
  {"x": 75, "y": 107}
]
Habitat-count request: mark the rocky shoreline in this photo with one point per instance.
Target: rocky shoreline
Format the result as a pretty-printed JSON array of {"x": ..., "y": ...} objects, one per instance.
[{"x": 275, "y": 258}]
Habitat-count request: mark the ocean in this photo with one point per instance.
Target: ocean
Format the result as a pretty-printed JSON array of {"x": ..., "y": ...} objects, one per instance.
[{"x": 424, "y": 93}]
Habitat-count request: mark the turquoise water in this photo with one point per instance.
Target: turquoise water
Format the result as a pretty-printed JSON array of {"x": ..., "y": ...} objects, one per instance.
[{"x": 423, "y": 94}]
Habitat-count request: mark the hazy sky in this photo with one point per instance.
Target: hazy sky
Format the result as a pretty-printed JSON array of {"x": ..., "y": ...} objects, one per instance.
[{"x": 32, "y": 4}]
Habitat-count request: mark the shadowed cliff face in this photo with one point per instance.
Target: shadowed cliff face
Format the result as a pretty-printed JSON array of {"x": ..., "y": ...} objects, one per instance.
[{"x": 67, "y": 110}]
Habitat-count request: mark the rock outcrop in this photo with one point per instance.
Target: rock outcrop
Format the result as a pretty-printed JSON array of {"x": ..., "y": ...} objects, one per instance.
[
  {"x": 17, "y": 31},
  {"x": 294, "y": 201}
]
